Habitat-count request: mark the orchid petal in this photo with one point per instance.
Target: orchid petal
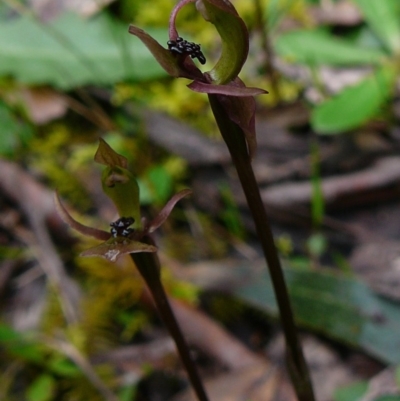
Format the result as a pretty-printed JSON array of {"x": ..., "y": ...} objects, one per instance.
[
  {"x": 166, "y": 210},
  {"x": 234, "y": 35},
  {"x": 173, "y": 33},
  {"x": 85, "y": 230},
  {"x": 116, "y": 247}
]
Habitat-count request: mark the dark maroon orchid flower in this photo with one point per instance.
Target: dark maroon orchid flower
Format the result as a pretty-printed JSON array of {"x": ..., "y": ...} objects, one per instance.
[
  {"x": 126, "y": 234},
  {"x": 222, "y": 81}
]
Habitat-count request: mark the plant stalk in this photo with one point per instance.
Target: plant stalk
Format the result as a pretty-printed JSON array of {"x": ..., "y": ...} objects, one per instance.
[
  {"x": 148, "y": 265},
  {"x": 235, "y": 140}
]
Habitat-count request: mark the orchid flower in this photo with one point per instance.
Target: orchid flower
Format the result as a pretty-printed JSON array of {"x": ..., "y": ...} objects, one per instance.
[
  {"x": 129, "y": 234},
  {"x": 222, "y": 82}
]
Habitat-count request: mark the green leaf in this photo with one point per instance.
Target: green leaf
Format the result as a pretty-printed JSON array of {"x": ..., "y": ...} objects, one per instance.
[
  {"x": 155, "y": 186},
  {"x": 352, "y": 392},
  {"x": 128, "y": 392},
  {"x": 336, "y": 306},
  {"x": 18, "y": 345},
  {"x": 234, "y": 36},
  {"x": 63, "y": 367},
  {"x": 316, "y": 47},
  {"x": 397, "y": 376},
  {"x": 384, "y": 18},
  {"x": 42, "y": 389},
  {"x": 388, "y": 397},
  {"x": 161, "y": 182},
  {"x": 72, "y": 51},
  {"x": 13, "y": 132},
  {"x": 355, "y": 105},
  {"x": 317, "y": 199}
]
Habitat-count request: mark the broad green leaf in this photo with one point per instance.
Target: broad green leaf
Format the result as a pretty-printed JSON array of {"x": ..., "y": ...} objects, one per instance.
[
  {"x": 384, "y": 18},
  {"x": 42, "y": 389},
  {"x": 352, "y": 392},
  {"x": 72, "y": 51},
  {"x": 355, "y": 105},
  {"x": 336, "y": 306},
  {"x": 317, "y": 47}
]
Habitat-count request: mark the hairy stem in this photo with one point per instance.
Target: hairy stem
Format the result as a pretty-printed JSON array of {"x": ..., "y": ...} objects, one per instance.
[
  {"x": 149, "y": 267},
  {"x": 235, "y": 140}
]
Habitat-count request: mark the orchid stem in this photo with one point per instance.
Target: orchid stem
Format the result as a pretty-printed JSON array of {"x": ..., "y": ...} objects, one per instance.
[
  {"x": 149, "y": 267},
  {"x": 237, "y": 146}
]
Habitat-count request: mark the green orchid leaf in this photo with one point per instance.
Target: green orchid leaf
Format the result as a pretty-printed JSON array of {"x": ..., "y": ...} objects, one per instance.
[
  {"x": 318, "y": 47},
  {"x": 334, "y": 305},
  {"x": 355, "y": 105},
  {"x": 117, "y": 247},
  {"x": 234, "y": 36},
  {"x": 384, "y": 18},
  {"x": 118, "y": 183},
  {"x": 351, "y": 392}
]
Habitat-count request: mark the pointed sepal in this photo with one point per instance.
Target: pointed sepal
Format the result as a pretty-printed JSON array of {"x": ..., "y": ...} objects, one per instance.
[
  {"x": 174, "y": 66},
  {"x": 166, "y": 210},
  {"x": 81, "y": 228}
]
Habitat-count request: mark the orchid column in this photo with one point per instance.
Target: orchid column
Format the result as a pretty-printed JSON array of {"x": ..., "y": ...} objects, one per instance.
[{"x": 233, "y": 106}]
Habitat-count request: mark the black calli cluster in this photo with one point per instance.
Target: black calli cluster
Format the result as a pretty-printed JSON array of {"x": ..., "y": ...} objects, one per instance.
[
  {"x": 182, "y": 46},
  {"x": 120, "y": 227}
]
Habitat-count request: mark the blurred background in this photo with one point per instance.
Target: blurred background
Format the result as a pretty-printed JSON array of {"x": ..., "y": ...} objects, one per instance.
[{"x": 328, "y": 166}]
